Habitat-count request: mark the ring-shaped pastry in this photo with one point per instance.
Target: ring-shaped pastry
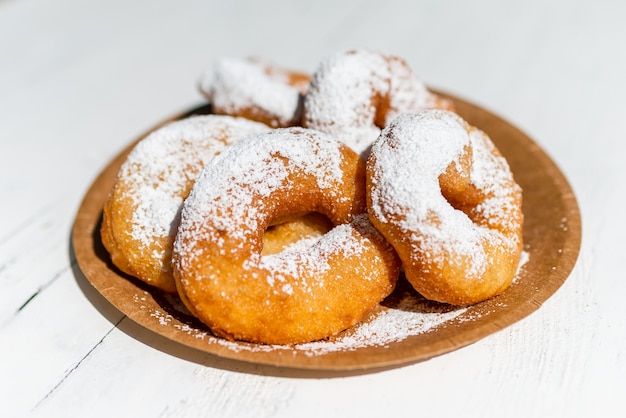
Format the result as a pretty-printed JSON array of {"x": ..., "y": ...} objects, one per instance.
[
  {"x": 141, "y": 214},
  {"x": 256, "y": 90},
  {"x": 296, "y": 295},
  {"x": 444, "y": 197}
]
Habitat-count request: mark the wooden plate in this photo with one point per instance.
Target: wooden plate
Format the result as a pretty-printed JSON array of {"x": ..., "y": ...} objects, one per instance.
[{"x": 406, "y": 328}]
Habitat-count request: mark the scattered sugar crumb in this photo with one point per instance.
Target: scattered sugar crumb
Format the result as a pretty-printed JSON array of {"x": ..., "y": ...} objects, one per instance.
[{"x": 409, "y": 316}]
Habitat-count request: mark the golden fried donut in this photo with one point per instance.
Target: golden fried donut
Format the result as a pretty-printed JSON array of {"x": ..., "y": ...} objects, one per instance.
[
  {"x": 444, "y": 197},
  {"x": 141, "y": 214},
  {"x": 299, "y": 294},
  {"x": 354, "y": 94},
  {"x": 256, "y": 90}
]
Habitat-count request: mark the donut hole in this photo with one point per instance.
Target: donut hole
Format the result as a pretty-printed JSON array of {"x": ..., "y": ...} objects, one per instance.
[
  {"x": 301, "y": 231},
  {"x": 381, "y": 103},
  {"x": 456, "y": 186}
]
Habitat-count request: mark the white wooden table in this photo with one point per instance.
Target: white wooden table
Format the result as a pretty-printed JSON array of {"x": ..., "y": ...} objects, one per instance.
[{"x": 79, "y": 80}]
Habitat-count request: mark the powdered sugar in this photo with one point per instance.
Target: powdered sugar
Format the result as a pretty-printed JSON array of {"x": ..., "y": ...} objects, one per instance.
[
  {"x": 230, "y": 190},
  {"x": 491, "y": 174},
  {"x": 233, "y": 85},
  {"x": 297, "y": 260},
  {"x": 416, "y": 150},
  {"x": 405, "y": 314},
  {"x": 302, "y": 244},
  {"x": 412, "y": 316},
  {"x": 159, "y": 171},
  {"x": 346, "y": 90},
  {"x": 421, "y": 146}
]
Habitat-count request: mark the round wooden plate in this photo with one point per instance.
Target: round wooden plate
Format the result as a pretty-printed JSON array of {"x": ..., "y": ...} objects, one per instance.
[{"x": 406, "y": 328}]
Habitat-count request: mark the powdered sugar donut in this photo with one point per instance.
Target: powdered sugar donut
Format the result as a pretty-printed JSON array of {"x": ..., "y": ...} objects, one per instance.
[
  {"x": 354, "y": 94},
  {"x": 299, "y": 294},
  {"x": 256, "y": 90},
  {"x": 141, "y": 214},
  {"x": 441, "y": 193}
]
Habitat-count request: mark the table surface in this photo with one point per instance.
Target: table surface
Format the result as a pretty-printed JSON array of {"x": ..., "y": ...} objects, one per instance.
[{"x": 80, "y": 80}]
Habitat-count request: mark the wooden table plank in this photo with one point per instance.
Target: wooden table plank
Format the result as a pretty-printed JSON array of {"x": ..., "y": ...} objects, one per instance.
[{"x": 79, "y": 80}]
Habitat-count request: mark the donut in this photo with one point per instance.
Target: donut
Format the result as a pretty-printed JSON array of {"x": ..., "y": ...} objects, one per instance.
[
  {"x": 256, "y": 90},
  {"x": 445, "y": 198},
  {"x": 303, "y": 293},
  {"x": 142, "y": 210},
  {"x": 354, "y": 94}
]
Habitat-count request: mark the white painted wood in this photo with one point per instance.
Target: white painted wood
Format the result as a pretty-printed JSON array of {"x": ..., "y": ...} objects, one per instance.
[{"x": 79, "y": 80}]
